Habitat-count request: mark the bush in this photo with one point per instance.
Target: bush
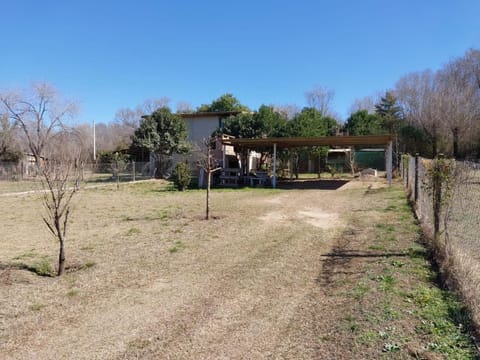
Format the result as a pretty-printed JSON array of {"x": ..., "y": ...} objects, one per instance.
[{"x": 182, "y": 176}]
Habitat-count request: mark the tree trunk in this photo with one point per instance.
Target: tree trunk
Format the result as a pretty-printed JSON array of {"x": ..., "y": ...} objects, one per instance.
[
  {"x": 437, "y": 199},
  {"x": 209, "y": 180},
  {"x": 455, "y": 142},
  {"x": 61, "y": 257},
  {"x": 207, "y": 208}
]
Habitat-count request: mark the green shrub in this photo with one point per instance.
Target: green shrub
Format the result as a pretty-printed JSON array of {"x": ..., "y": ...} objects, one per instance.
[{"x": 182, "y": 176}]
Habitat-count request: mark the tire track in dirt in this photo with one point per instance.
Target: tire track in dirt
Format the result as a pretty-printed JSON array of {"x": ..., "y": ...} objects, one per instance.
[{"x": 236, "y": 323}]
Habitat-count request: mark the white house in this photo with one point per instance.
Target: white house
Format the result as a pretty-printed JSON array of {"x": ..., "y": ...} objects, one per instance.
[{"x": 201, "y": 125}]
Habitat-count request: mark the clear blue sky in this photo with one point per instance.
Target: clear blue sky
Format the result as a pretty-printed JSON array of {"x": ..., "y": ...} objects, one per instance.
[{"x": 112, "y": 54}]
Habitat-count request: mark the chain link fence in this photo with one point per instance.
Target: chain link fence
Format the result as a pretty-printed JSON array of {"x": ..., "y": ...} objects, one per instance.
[
  {"x": 457, "y": 241},
  {"x": 90, "y": 172},
  {"x": 460, "y": 214}
]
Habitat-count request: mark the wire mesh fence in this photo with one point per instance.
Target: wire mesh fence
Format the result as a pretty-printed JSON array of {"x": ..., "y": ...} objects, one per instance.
[
  {"x": 462, "y": 217},
  {"x": 90, "y": 172},
  {"x": 457, "y": 239},
  {"x": 460, "y": 210}
]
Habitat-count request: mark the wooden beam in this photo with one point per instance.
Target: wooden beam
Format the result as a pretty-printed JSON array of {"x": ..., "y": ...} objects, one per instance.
[{"x": 311, "y": 141}]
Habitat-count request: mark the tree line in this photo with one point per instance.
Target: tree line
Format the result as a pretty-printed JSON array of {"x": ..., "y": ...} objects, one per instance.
[{"x": 428, "y": 112}]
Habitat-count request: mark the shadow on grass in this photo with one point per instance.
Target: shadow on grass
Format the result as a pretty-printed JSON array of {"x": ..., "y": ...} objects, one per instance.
[
  {"x": 359, "y": 254},
  {"x": 112, "y": 180},
  {"x": 314, "y": 184}
]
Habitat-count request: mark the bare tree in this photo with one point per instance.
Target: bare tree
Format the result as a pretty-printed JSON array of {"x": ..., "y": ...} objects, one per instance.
[
  {"x": 366, "y": 103},
  {"x": 445, "y": 104},
  {"x": 209, "y": 168},
  {"x": 150, "y": 105},
  {"x": 60, "y": 174},
  {"x": 288, "y": 111},
  {"x": 459, "y": 91},
  {"x": 321, "y": 99},
  {"x": 418, "y": 96},
  {"x": 42, "y": 114},
  {"x": 39, "y": 112},
  {"x": 127, "y": 120},
  {"x": 184, "y": 107}
]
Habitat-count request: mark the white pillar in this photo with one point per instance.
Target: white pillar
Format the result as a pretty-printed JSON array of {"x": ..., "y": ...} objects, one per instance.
[
  {"x": 274, "y": 178},
  {"x": 389, "y": 163}
]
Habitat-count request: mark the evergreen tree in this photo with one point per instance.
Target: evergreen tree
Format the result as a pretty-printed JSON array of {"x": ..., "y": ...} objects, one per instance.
[
  {"x": 363, "y": 123},
  {"x": 162, "y": 134},
  {"x": 226, "y": 102}
]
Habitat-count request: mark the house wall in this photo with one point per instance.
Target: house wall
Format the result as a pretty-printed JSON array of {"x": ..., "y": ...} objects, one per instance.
[{"x": 200, "y": 128}]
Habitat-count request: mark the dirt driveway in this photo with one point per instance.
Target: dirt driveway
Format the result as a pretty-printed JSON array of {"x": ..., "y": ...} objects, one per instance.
[{"x": 257, "y": 282}]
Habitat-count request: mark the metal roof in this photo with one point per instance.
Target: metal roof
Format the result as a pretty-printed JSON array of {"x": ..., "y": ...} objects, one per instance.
[
  {"x": 209, "y": 114},
  {"x": 289, "y": 142}
]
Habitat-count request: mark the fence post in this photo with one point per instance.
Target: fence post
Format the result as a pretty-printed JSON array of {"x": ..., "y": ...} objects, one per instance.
[
  {"x": 415, "y": 185},
  {"x": 133, "y": 170},
  {"x": 405, "y": 160},
  {"x": 437, "y": 194}
]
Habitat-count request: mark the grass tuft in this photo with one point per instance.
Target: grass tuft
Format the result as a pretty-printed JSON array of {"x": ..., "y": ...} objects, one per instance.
[
  {"x": 36, "y": 306},
  {"x": 73, "y": 292}
]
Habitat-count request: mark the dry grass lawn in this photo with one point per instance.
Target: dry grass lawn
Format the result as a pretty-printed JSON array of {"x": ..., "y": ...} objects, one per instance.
[{"x": 295, "y": 274}]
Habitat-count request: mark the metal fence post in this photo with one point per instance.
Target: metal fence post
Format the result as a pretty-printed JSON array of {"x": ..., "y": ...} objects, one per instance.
[
  {"x": 416, "y": 179},
  {"x": 406, "y": 169},
  {"x": 133, "y": 170}
]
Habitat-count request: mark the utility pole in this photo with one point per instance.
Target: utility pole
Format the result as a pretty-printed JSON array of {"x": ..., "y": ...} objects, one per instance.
[{"x": 94, "y": 143}]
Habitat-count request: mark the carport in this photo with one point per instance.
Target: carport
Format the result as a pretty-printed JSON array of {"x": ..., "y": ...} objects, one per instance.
[{"x": 293, "y": 142}]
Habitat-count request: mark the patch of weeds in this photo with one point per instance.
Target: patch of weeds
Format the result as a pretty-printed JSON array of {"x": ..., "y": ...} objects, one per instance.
[
  {"x": 133, "y": 231},
  {"x": 388, "y": 312},
  {"x": 164, "y": 215},
  {"x": 73, "y": 292},
  {"x": 139, "y": 344},
  {"x": 88, "y": 265},
  {"x": 41, "y": 267},
  {"x": 391, "y": 238},
  {"x": 178, "y": 246},
  {"x": 383, "y": 334},
  {"x": 387, "y": 282},
  {"x": 352, "y": 323},
  {"x": 390, "y": 208},
  {"x": 36, "y": 306},
  {"x": 417, "y": 252},
  {"x": 421, "y": 271},
  {"x": 444, "y": 318},
  {"x": 360, "y": 291},
  {"x": 25, "y": 255},
  {"x": 372, "y": 318},
  {"x": 368, "y": 337},
  {"x": 377, "y": 247},
  {"x": 397, "y": 263},
  {"x": 385, "y": 227},
  {"x": 87, "y": 248},
  {"x": 391, "y": 347}
]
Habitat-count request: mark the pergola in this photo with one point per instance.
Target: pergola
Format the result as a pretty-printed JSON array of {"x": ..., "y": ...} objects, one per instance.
[{"x": 293, "y": 142}]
